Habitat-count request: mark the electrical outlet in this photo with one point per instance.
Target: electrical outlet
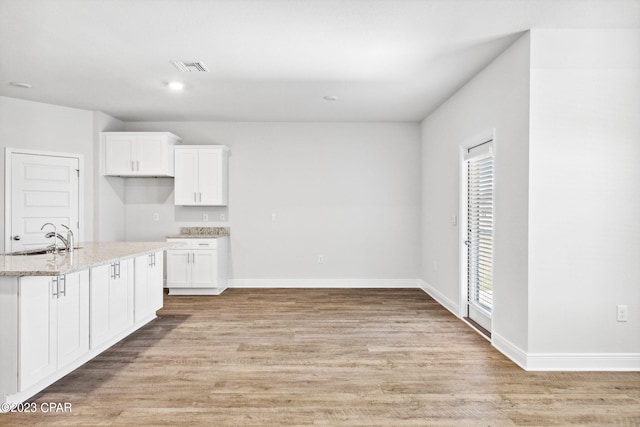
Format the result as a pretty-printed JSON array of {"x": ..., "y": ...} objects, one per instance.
[
  {"x": 622, "y": 313},
  {"x": 156, "y": 216},
  {"x": 274, "y": 217},
  {"x": 205, "y": 217},
  {"x": 320, "y": 259},
  {"x": 223, "y": 217},
  {"x": 454, "y": 220}
]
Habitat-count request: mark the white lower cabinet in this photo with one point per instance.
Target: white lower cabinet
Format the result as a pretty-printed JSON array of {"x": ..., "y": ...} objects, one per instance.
[
  {"x": 111, "y": 300},
  {"x": 53, "y": 324},
  {"x": 198, "y": 267},
  {"x": 148, "y": 286},
  {"x": 191, "y": 268}
]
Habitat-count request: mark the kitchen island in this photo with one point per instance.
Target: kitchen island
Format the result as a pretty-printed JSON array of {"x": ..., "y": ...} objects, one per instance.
[{"x": 58, "y": 311}]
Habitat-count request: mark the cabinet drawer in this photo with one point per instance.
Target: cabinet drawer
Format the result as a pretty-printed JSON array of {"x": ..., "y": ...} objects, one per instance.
[
  {"x": 196, "y": 243},
  {"x": 204, "y": 244}
]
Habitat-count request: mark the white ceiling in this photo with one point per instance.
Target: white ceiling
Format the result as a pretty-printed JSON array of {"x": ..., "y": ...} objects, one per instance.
[{"x": 270, "y": 60}]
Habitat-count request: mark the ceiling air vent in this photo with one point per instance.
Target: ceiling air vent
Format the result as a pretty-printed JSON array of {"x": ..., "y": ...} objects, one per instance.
[{"x": 189, "y": 66}]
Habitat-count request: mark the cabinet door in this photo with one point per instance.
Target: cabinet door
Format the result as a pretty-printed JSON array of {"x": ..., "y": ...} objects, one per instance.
[
  {"x": 186, "y": 173},
  {"x": 119, "y": 155},
  {"x": 99, "y": 304},
  {"x": 203, "y": 269},
  {"x": 120, "y": 297},
  {"x": 37, "y": 324},
  {"x": 141, "y": 307},
  {"x": 111, "y": 301},
  {"x": 179, "y": 268},
  {"x": 156, "y": 285},
  {"x": 152, "y": 155},
  {"x": 210, "y": 177},
  {"x": 73, "y": 317},
  {"x": 148, "y": 289}
]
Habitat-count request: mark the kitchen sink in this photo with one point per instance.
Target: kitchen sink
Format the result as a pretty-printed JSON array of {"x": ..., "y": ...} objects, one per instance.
[
  {"x": 29, "y": 252},
  {"x": 40, "y": 251}
]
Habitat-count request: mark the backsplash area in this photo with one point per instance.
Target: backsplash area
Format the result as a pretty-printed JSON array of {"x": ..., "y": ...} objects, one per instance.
[{"x": 204, "y": 231}]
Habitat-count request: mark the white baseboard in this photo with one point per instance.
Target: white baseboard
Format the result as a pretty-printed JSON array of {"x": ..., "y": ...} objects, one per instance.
[
  {"x": 566, "y": 361},
  {"x": 547, "y": 361},
  {"x": 512, "y": 351},
  {"x": 196, "y": 291},
  {"x": 446, "y": 302},
  {"x": 324, "y": 283},
  {"x": 583, "y": 362}
]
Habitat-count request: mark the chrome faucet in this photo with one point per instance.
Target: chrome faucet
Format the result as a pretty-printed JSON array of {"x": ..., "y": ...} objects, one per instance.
[
  {"x": 70, "y": 240},
  {"x": 55, "y": 235},
  {"x": 50, "y": 234}
]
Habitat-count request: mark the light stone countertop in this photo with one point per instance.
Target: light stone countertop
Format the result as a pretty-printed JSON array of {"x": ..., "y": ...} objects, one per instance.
[{"x": 90, "y": 254}]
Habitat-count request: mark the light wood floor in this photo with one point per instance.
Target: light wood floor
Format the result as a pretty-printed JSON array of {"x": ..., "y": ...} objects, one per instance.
[{"x": 329, "y": 357}]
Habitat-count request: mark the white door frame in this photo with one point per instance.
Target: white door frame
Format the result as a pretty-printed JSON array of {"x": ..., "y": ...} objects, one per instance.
[
  {"x": 8, "y": 153},
  {"x": 488, "y": 134}
]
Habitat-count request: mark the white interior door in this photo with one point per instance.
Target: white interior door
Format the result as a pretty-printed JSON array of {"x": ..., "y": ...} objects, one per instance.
[{"x": 43, "y": 188}]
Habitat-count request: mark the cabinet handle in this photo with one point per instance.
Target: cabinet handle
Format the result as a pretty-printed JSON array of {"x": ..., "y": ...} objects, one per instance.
[
  {"x": 138, "y": 165},
  {"x": 54, "y": 286},
  {"x": 63, "y": 279},
  {"x": 133, "y": 166},
  {"x": 115, "y": 272},
  {"x": 200, "y": 197},
  {"x": 195, "y": 197}
]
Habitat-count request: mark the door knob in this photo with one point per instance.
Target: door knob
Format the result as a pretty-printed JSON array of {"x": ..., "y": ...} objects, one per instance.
[{"x": 17, "y": 237}]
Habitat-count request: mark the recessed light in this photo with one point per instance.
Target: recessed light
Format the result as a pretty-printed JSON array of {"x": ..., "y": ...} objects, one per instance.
[
  {"x": 331, "y": 98},
  {"x": 175, "y": 85},
  {"x": 21, "y": 84}
]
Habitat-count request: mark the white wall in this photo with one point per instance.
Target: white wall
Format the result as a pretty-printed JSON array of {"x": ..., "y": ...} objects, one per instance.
[
  {"x": 37, "y": 126},
  {"x": 498, "y": 97},
  {"x": 584, "y": 246},
  {"x": 347, "y": 191},
  {"x": 565, "y": 106},
  {"x": 109, "y": 194}
]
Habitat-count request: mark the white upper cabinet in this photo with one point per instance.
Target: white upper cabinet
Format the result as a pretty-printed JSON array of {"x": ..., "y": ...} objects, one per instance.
[
  {"x": 202, "y": 175},
  {"x": 142, "y": 154}
]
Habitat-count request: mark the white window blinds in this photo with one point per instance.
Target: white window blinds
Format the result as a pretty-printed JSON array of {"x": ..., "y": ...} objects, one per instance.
[{"x": 480, "y": 228}]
